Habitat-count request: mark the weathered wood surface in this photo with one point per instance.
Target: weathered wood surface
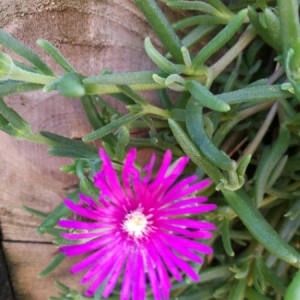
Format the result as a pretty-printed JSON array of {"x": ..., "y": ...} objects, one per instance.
[
  {"x": 26, "y": 260},
  {"x": 93, "y": 35}
]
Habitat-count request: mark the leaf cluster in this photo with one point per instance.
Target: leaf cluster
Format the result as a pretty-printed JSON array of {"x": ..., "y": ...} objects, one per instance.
[{"x": 233, "y": 109}]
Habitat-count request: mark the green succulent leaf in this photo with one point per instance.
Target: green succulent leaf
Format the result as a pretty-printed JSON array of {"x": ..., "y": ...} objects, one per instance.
[
  {"x": 195, "y": 127},
  {"x": 53, "y": 265},
  {"x": 112, "y": 126},
  {"x": 161, "y": 27},
  {"x": 259, "y": 228},
  {"x": 11, "y": 43},
  {"x": 293, "y": 291},
  {"x": 56, "y": 55}
]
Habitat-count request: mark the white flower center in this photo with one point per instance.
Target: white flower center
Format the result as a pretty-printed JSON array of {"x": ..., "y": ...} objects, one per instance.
[{"x": 135, "y": 224}]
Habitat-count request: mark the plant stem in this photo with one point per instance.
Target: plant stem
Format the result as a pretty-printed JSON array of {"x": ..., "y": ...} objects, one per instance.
[
  {"x": 162, "y": 27},
  {"x": 234, "y": 51},
  {"x": 289, "y": 24},
  {"x": 22, "y": 75},
  {"x": 149, "y": 109},
  {"x": 250, "y": 149},
  {"x": 40, "y": 140},
  {"x": 226, "y": 127}
]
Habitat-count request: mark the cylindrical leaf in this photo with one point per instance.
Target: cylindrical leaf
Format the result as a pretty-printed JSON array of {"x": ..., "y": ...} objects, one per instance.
[
  {"x": 195, "y": 154},
  {"x": 205, "y": 97},
  {"x": 226, "y": 237},
  {"x": 293, "y": 291},
  {"x": 267, "y": 165},
  {"x": 237, "y": 291},
  {"x": 162, "y": 27},
  {"x": 255, "y": 94},
  {"x": 220, "y": 39},
  {"x": 61, "y": 211},
  {"x": 260, "y": 228},
  {"x": 53, "y": 265},
  {"x": 98, "y": 134},
  {"x": 195, "y": 127},
  {"x": 163, "y": 63},
  {"x": 56, "y": 55},
  {"x": 10, "y": 87},
  {"x": 11, "y": 43}
]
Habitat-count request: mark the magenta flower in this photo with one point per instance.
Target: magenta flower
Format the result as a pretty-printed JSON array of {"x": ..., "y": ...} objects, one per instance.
[{"x": 140, "y": 229}]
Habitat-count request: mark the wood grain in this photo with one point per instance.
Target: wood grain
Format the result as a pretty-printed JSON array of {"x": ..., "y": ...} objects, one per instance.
[{"x": 26, "y": 260}]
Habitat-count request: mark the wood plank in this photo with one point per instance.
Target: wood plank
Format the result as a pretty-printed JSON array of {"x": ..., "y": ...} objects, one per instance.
[
  {"x": 26, "y": 260},
  {"x": 29, "y": 177}
]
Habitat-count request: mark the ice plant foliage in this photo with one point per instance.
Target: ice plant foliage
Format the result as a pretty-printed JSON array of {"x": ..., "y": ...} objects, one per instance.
[
  {"x": 140, "y": 228},
  {"x": 146, "y": 227}
]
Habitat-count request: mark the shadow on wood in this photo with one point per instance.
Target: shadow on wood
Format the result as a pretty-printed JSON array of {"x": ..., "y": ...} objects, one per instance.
[{"x": 5, "y": 285}]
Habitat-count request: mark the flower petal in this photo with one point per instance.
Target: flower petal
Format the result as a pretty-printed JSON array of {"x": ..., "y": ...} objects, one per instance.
[
  {"x": 161, "y": 271},
  {"x": 195, "y": 234},
  {"x": 163, "y": 168},
  {"x": 128, "y": 277},
  {"x": 159, "y": 247},
  {"x": 110, "y": 172},
  {"x": 80, "y": 224},
  {"x": 90, "y": 260},
  {"x": 183, "y": 251},
  {"x": 72, "y": 250},
  {"x": 182, "y": 203},
  {"x": 153, "y": 278},
  {"x": 81, "y": 211},
  {"x": 148, "y": 168},
  {"x": 190, "y": 210},
  {"x": 115, "y": 274},
  {"x": 102, "y": 268},
  {"x": 138, "y": 286},
  {"x": 177, "y": 193}
]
